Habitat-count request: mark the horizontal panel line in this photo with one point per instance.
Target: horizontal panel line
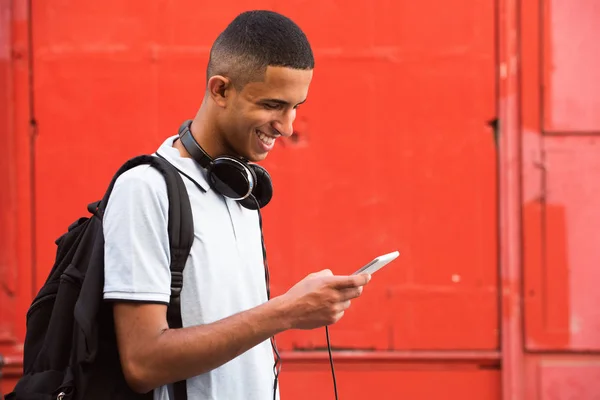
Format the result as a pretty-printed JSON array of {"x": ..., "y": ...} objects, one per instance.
[
  {"x": 564, "y": 352},
  {"x": 11, "y": 366},
  {"x": 572, "y": 133},
  {"x": 395, "y": 356}
]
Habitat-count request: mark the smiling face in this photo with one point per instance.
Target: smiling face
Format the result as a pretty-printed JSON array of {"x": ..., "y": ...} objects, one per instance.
[{"x": 251, "y": 119}]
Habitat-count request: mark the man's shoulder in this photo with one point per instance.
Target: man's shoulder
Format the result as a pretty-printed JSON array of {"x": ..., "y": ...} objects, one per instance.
[
  {"x": 143, "y": 175},
  {"x": 143, "y": 183}
]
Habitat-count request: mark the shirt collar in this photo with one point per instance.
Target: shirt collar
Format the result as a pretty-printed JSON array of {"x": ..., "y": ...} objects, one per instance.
[{"x": 187, "y": 166}]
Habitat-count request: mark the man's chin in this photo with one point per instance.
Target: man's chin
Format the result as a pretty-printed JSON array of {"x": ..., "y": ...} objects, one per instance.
[
  {"x": 258, "y": 157},
  {"x": 253, "y": 155}
]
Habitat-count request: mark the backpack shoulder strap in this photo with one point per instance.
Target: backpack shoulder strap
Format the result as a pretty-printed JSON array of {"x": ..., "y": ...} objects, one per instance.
[
  {"x": 181, "y": 234},
  {"x": 180, "y": 223}
]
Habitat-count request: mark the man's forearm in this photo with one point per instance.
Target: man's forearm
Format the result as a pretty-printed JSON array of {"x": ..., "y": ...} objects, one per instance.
[{"x": 178, "y": 354}]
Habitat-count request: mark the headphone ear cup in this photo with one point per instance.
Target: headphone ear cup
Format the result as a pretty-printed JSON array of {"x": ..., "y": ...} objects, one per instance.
[
  {"x": 231, "y": 178},
  {"x": 263, "y": 188}
]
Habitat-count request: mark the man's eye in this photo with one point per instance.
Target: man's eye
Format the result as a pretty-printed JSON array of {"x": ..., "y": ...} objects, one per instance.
[{"x": 269, "y": 106}]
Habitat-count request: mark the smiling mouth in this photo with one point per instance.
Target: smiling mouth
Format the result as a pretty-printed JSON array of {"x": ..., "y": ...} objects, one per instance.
[{"x": 268, "y": 140}]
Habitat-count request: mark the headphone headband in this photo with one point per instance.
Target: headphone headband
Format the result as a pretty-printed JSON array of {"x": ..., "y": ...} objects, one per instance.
[
  {"x": 232, "y": 177},
  {"x": 192, "y": 146}
]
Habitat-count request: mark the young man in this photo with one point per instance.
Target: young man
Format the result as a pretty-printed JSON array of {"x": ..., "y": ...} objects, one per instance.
[{"x": 259, "y": 72}]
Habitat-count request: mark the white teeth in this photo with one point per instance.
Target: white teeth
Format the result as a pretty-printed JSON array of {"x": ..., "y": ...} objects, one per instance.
[{"x": 265, "y": 139}]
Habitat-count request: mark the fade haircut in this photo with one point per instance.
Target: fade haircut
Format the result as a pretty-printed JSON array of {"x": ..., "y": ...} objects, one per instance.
[{"x": 255, "y": 40}]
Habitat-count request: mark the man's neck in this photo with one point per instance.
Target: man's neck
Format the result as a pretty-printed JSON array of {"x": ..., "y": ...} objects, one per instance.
[{"x": 204, "y": 131}]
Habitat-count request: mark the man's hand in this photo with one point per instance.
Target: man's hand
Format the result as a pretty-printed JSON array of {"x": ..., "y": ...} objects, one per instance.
[
  {"x": 153, "y": 355},
  {"x": 321, "y": 298}
]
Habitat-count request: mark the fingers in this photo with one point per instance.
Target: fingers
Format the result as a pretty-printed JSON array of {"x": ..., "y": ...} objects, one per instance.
[
  {"x": 337, "y": 317},
  {"x": 350, "y": 293},
  {"x": 352, "y": 281},
  {"x": 340, "y": 310},
  {"x": 346, "y": 305}
]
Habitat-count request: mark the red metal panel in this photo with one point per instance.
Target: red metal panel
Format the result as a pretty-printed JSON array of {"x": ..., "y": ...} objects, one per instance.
[
  {"x": 398, "y": 109},
  {"x": 412, "y": 166},
  {"x": 559, "y": 179},
  {"x": 563, "y": 376},
  {"x": 389, "y": 380},
  {"x": 15, "y": 206},
  {"x": 532, "y": 164},
  {"x": 101, "y": 97},
  {"x": 8, "y": 282},
  {"x": 569, "y": 380},
  {"x": 556, "y": 193},
  {"x": 562, "y": 310},
  {"x": 7, "y": 183},
  {"x": 571, "y": 72}
]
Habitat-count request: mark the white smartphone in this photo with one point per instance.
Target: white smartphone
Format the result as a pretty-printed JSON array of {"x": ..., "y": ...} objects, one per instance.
[{"x": 378, "y": 263}]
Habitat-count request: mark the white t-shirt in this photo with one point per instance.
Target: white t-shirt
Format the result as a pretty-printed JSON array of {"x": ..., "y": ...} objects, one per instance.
[{"x": 224, "y": 274}]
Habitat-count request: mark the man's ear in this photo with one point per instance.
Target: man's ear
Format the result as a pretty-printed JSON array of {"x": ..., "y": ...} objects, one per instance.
[{"x": 220, "y": 89}]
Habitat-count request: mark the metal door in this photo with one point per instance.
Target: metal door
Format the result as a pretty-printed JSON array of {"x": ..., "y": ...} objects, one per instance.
[
  {"x": 393, "y": 150},
  {"x": 561, "y": 161}
]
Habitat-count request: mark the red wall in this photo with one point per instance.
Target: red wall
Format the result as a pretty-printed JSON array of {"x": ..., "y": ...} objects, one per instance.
[
  {"x": 394, "y": 150},
  {"x": 561, "y": 193}
]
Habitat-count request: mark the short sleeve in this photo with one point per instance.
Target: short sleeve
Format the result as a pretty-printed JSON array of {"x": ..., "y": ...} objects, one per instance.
[{"x": 136, "y": 242}]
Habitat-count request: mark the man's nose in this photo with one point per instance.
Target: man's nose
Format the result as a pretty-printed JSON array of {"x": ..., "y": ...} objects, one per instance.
[{"x": 285, "y": 125}]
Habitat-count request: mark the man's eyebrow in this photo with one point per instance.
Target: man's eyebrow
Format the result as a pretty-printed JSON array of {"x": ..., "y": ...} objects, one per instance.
[{"x": 279, "y": 101}]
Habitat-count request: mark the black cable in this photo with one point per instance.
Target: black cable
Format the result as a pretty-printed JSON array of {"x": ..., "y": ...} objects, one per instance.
[
  {"x": 277, "y": 365},
  {"x": 331, "y": 362}
]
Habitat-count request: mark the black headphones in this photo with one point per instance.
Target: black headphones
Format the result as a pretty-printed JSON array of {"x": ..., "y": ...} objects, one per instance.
[{"x": 235, "y": 178}]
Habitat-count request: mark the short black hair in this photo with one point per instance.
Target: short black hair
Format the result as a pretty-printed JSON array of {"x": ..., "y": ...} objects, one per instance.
[{"x": 255, "y": 40}]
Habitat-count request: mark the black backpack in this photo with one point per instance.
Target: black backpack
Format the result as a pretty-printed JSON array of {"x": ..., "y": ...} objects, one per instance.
[{"x": 70, "y": 348}]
